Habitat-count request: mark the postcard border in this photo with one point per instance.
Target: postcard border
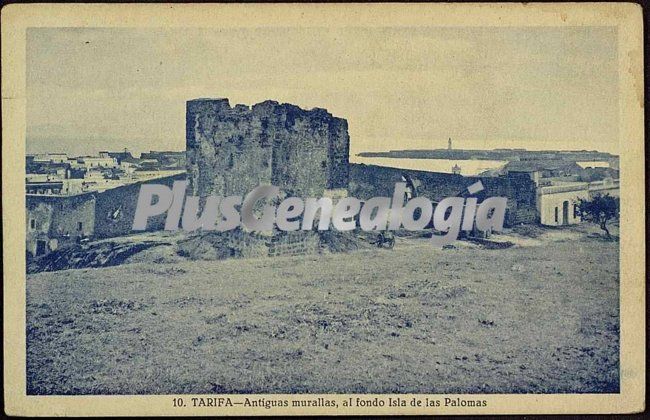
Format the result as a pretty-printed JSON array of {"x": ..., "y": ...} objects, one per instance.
[{"x": 627, "y": 17}]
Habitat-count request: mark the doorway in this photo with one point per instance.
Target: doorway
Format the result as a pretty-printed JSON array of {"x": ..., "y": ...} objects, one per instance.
[{"x": 565, "y": 213}]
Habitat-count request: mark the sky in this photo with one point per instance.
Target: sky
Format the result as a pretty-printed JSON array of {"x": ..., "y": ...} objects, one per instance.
[{"x": 399, "y": 88}]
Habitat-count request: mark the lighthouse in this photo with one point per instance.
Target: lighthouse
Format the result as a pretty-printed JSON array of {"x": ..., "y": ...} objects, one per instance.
[{"x": 449, "y": 144}]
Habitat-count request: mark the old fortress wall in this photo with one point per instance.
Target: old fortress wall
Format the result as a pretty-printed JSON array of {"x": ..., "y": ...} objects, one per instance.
[
  {"x": 232, "y": 150},
  {"x": 368, "y": 181}
]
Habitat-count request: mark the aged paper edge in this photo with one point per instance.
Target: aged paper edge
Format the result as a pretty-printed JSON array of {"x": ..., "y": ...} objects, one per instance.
[{"x": 627, "y": 17}]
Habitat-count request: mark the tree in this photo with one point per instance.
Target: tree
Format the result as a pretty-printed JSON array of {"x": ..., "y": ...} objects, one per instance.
[{"x": 600, "y": 210}]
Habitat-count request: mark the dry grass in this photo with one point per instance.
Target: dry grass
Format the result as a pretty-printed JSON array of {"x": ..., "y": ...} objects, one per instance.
[{"x": 414, "y": 319}]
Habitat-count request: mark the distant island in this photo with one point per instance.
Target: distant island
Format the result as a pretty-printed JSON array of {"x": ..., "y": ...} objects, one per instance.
[{"x": 495, "y": 154}]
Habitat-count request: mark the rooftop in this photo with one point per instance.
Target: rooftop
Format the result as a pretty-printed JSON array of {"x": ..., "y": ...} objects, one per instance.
[{"x": 538, "y": 165}]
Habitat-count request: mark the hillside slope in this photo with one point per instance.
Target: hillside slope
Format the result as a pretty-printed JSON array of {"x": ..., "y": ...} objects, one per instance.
[{"x": 414, "y": 319}]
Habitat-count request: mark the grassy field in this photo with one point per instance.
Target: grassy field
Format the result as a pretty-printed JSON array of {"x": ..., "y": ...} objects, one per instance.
[{"x": 541, "y": 316}]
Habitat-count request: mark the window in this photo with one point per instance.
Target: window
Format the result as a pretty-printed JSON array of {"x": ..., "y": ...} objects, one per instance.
[
  {"x": 80, "y": 225},
  {"x": 41, "y": 247},
  {"x": 557, "y": 213},
  {"x": 32, "y": 223},
  {"x": 575, "y": 211}
]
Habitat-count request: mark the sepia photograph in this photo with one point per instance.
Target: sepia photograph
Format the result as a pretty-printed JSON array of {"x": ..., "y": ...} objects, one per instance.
[{"x": 312, "y": 213}]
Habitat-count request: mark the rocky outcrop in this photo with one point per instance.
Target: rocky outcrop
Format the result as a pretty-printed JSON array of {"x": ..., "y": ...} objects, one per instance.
[{"x": 100, "y": 254}]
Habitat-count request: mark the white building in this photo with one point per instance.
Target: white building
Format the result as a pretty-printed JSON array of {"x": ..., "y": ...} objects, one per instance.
[
  {"x": 557, "y": 199},
  {"x": 90, "y": 162},
  {"x": 37, "y": 186},
  {"x": 557, "y": 205},
  {"x": 51, "y": 157},
  {"x": 43, "y": 177}
]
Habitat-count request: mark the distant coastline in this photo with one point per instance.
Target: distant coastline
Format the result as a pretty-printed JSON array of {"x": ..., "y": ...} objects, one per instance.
[{"x": 495, "y": 154}]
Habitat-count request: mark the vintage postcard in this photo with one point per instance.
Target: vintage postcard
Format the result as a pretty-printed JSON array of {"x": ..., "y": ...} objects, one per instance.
[{"x": 326, "y": 209}]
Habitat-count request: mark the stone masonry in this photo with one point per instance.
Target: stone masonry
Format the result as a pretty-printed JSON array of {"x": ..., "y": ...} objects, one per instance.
[
  {"x": 231, "y": 150},
  {"x": 368, "y": 181}
]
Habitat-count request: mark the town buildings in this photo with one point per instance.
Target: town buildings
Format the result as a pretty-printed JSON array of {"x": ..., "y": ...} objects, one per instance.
[
  {"x": 560, "y": 186},
  {"x": 71, "y": 199},
  {"x": 59, "y": 174},
  {"x": 232, "y": 150}
]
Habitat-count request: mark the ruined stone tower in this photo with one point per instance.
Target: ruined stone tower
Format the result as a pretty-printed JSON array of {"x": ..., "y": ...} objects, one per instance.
[{"x": 231, "y": 150}]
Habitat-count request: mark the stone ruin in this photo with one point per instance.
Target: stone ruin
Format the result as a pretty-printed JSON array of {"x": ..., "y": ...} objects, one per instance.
[{"x": 231, "y": 150}]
